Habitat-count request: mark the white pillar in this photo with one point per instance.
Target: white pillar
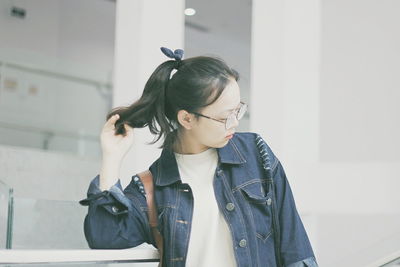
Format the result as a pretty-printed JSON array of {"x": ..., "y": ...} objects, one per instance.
[
  {"x": 142, "y": 27},
  {"x": 285, "y": 76},
  {"x": 266, "y": 96}
]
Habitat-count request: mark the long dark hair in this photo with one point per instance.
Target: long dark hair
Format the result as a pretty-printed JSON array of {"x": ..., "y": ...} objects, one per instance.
[{"x": 197, "y": 83}]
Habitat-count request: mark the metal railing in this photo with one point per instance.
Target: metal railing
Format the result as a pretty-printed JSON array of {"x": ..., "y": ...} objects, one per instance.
[
  {"x": 85, "y": 141},
  {"x": 54, "y": 74},
  {"x": 387, "y": 261}
]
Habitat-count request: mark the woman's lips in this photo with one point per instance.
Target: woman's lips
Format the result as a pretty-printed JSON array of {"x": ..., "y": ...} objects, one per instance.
[{"x": 229, "y": 136}]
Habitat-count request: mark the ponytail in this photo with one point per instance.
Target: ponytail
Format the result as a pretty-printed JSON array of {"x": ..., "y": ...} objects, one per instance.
[
  {"x": 189, "y": 88},
  {"x": 150, "y": 108}
]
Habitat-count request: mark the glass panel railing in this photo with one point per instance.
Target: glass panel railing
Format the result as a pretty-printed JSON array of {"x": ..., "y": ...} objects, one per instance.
[
  {"x": 48, "y": 224},
  {"x": 3, "y": 214},
  {"x": 50, "y": 233},
  {"x": 6, "y": 197}
]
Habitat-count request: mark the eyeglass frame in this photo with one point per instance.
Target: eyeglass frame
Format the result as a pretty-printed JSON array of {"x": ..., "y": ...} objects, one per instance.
[{"x": 242, "y": 105}]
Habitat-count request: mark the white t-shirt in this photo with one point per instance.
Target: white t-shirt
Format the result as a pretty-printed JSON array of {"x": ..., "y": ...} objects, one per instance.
[{"x": 210, "y": 242}]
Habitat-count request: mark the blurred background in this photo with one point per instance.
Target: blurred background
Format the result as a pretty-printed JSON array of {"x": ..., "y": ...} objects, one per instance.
[{"x": 321, "y": 79}]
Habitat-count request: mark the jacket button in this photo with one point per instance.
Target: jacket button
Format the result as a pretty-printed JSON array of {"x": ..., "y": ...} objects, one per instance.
[
  {"x": 269, "y": 201},
  {"x": 230, "y": 206},
  {"x": 242, "y": 243},
  {"x": 114, "y": 209}
]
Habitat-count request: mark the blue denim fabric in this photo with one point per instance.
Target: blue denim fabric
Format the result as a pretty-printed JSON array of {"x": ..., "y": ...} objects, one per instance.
[{"x": 251, "y": 190}]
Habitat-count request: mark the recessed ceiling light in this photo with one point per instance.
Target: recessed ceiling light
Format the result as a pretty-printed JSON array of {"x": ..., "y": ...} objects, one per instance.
[{"x": 190, "y": 11}]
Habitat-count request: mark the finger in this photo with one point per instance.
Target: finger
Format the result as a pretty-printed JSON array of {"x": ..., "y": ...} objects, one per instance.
[
  {"x": 111, "y": 121},
  {"x": 128, "y": 128}
]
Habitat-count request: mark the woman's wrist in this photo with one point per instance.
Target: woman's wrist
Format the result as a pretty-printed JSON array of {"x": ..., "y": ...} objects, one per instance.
[
  {"x": 111, "y": 160},
  {"x": 109, "y": 173}
]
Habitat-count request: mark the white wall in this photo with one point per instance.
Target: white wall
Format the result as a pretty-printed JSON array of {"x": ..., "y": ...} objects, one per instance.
[
  {"x": 359, "y": 81},
  {"x": 324, "y": 72}
]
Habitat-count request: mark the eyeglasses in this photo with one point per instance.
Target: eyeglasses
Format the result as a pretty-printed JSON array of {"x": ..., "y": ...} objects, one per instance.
[{"x": 230, "y": 120}]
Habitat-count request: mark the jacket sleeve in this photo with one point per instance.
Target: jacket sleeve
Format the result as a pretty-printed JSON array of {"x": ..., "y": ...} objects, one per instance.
[
  {"x": 295, "y": 247},
  {"x": 114, "y": 219}
]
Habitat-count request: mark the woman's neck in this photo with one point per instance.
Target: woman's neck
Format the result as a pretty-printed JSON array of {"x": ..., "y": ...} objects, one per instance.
[{"x": 186, "y": 145}]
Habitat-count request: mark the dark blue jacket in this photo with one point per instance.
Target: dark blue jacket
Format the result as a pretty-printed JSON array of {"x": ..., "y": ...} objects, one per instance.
[{"x": 252, "y": 192}]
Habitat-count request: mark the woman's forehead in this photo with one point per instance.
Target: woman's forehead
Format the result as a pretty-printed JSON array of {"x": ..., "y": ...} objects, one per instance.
[{"x": 228, "y": 100}]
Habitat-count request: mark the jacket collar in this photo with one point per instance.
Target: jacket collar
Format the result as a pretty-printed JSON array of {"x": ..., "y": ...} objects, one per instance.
[{"x": 165, "y": 170}]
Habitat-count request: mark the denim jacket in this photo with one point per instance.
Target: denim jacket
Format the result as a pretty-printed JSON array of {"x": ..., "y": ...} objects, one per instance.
[{"x": 252, "y": 193}]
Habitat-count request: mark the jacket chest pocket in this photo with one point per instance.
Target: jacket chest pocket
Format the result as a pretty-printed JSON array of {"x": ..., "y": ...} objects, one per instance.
[{"x": 258, "y": 201}]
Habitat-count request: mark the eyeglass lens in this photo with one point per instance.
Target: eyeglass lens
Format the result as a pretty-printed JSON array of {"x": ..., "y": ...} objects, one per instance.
[{"x": 238, "y": 115}]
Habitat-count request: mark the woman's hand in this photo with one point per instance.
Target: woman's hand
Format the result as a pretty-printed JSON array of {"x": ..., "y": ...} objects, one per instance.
[{"x": 114, "y": 146}]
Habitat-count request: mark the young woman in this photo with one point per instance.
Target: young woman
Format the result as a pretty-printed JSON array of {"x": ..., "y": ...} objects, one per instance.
[{"x": 222, "y": 197}]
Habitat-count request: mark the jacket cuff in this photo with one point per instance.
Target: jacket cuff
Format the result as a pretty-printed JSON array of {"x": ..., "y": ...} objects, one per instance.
[
  {"x": 107, "y": 198},
  {"x": 309, "y": 262}
]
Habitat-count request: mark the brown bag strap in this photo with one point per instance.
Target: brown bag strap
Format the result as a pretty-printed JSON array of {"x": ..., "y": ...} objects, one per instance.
[{"x": 147, "y": 180}]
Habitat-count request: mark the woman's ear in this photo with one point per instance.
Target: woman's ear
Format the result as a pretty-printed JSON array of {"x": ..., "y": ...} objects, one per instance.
[{"x": 185, "y": 119}]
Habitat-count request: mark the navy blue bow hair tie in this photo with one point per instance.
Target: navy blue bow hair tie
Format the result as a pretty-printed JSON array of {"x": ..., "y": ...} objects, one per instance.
[{"x": 177, "y": 54}]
